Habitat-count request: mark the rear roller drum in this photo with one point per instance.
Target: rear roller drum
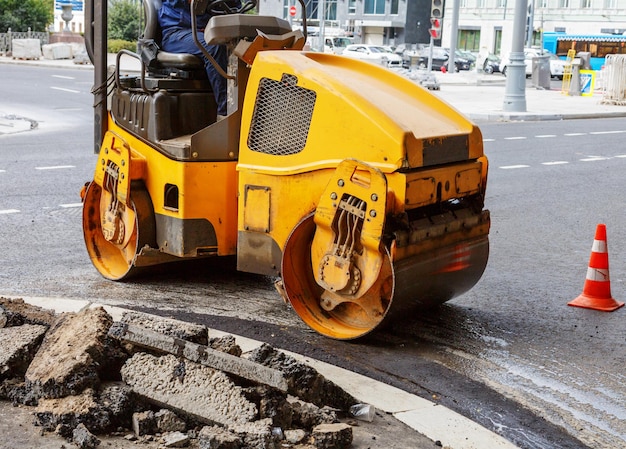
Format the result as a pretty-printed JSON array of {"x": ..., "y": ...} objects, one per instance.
[
  {"x": 333, "y": 314},
  {"x": 115, "y": 232}
]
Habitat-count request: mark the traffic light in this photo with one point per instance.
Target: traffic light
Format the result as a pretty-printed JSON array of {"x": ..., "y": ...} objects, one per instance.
[
  {"x": 436, "y": 9},
  {"x": 435, "y": 28},
  {"x": 436, "y": 14}
]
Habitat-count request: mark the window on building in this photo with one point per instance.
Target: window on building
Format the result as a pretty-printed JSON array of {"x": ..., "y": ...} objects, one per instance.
[
  {"x": 374, "y": 7},
  {"x": 543, "y": 4},
  {"x": 480, "y": 3},
  {"x": 463, "y": 4},
  {"x": 585, "y": 4},
  {"x": 497, "y": 41},
  {"x": 563, "y": 4},
  {"x": 331, "y": 9},
  {"x": 610, "y": 4},
  {"x": 469, "y": 40},
  {"x": 394, "y": 6},
  {"x": 313, "y": 10},
  {"x": 536, "y": 39},
  {"x": 351, "y": 6},
  {"x": 501, "y": 3}
]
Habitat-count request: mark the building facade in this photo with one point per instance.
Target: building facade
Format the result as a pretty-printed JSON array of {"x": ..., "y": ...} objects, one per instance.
[
  {"x": 481, "y": 23},
  {"x": 489, "y": 23},
  {"x": 381, "y": 22}
]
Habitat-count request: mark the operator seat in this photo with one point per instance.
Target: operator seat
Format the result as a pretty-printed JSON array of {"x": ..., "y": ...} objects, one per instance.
[
  {"x": 163, "y": 63},
  {"x": 221, "y": 29}
]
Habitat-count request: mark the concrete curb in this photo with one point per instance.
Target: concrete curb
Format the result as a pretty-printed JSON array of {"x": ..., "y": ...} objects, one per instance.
[
  {"x": 434, "y": 421},
  {"x": 529, "y": 116},
  {"x": 60, "y": 63}
]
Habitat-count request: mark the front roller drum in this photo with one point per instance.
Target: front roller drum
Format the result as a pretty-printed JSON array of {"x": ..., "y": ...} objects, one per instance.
[
  {"x": 115, "y": 233},
  {"x": 402, "y": 290},
  {"x": 327, "y": 312}
]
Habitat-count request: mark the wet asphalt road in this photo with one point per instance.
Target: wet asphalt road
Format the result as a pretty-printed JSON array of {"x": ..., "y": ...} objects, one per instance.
[{"x": 509, "y": 354}]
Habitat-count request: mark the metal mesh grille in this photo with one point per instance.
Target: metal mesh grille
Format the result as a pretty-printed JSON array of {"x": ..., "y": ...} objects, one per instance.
[{"x": 282, "y": 117}]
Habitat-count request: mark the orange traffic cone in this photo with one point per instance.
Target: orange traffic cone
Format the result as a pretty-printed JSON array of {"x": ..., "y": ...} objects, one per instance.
[{"x": 597, "y": 290}]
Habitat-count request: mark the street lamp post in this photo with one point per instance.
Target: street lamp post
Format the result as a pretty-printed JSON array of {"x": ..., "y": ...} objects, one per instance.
[
  {"x": 515, "y": 89},
  {"x": 321, "y": 12}
]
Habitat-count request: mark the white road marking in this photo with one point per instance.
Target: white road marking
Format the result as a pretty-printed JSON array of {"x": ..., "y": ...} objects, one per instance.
[
  {"x": 606, "y": 132},
  {"x": 68, "y": 205},
  {"x": 2, "y": 171},
  {"x": 65, "y": 90},
  {"x": 594, "y": 158},
  {"x": 545, "y": 136},
  {"x": 63, "y": 77},
  {"x": 554, "y": 163},
  {"x": 510, "y": 167},
  {"x": 621, "y": 155},
  {"x": 8, "y": 211},
  {"x": 55, "y": 167}
]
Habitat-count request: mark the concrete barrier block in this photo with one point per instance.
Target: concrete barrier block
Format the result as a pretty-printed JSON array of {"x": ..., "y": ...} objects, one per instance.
[
  {"x": 26, "y": 48},
  {"x": 57, "y": 51}
]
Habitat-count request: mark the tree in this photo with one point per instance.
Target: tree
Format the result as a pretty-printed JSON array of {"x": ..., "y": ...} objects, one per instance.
[
  {"x": 125, "y": 17},
  {"x": 19, "y": 15}
]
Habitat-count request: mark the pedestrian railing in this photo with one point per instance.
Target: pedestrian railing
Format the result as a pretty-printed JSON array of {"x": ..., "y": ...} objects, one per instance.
[
  {"x": 614, "y": 80},
  {"x": 7, "y": 38}
]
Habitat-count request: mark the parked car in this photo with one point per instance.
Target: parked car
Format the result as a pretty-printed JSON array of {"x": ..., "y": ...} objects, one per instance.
[
  {"x": 337, "y": 45},
  {"x": 376, "y": 54},
  {"x": 440, "y": 59},
  {"x": 466, "y": 54},
  {"x": 557, "y": 65},
  {"x": 466, "y": 59},
  {"x": 491, "y": 64}
]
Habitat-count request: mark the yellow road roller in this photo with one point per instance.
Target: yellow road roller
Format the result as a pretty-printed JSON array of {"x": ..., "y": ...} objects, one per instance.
[{"x": 361, "y": 191}]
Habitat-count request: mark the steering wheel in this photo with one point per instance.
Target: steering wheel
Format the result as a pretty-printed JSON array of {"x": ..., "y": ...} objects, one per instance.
[{"x": 224, "y": 7}]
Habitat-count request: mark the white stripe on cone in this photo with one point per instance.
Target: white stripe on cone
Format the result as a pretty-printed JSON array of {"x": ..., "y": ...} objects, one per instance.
[
  {"x": 597, "y": 274},
  {"x": 599, "y": 246}
]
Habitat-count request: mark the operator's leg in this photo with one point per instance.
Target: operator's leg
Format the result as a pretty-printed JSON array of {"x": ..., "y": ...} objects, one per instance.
[
  {"x": 181, "y": 41},
  {"x": 218, "y": 82}
]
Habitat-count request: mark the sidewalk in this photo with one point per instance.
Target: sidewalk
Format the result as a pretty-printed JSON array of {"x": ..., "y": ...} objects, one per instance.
[{"x": 481, "y": 98}]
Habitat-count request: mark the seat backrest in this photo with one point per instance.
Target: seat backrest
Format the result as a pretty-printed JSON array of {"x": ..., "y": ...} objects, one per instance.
[{"x": 152, "y": 30}]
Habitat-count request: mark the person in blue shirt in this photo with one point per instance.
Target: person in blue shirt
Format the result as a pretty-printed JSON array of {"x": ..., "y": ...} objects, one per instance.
[{"x": 175, "y": 22}]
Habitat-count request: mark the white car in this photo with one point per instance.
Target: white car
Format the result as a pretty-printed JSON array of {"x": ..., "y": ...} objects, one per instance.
[
  {"x": 376, "y": 54},
  {"x": 556, "y": 65}
]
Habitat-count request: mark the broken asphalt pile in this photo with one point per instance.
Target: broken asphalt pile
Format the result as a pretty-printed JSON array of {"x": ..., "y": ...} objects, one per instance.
[{"x": 147, "y": 377}]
